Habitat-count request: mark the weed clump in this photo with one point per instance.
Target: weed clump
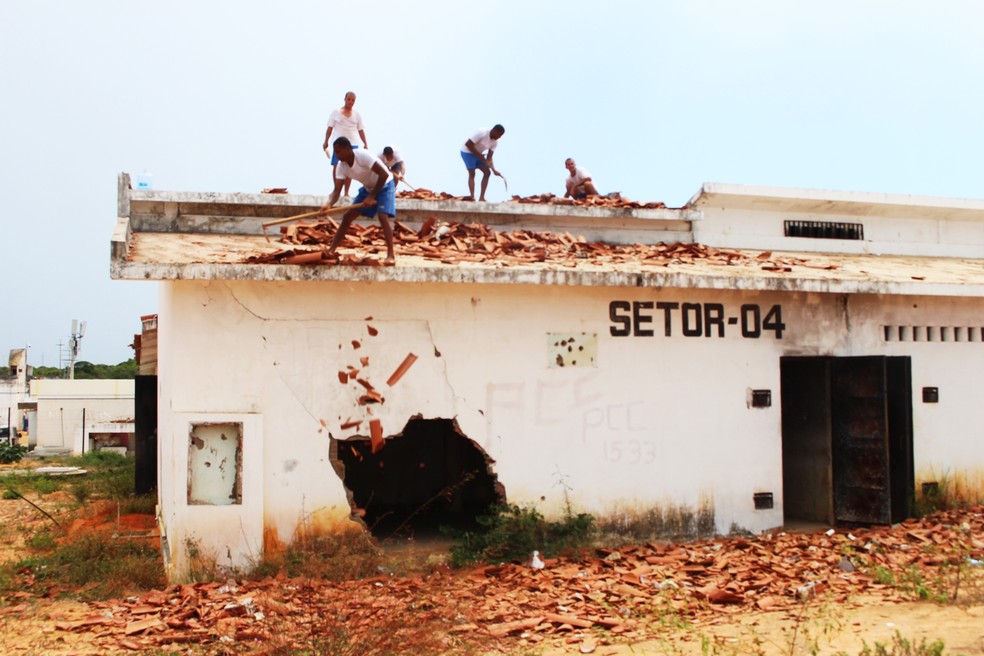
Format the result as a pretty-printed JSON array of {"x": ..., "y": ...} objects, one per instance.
[
  {"x": 513, "y": 532},
  {"x": 10, "y": 453},
  {"x": 331, "y": 556},
  {"x": 95, "y": 566}
]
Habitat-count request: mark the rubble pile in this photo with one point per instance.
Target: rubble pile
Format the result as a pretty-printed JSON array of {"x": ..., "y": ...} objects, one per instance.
[
  {"x": 611, "y": 200},
  {"x": 420, "y": 193},
  {"x": 453, "y": 243},
  {"x": 566, "y": 599}
]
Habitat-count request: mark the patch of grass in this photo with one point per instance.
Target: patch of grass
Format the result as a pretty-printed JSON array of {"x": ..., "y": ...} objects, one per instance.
[
  {"x": 43, "y": 540},
  {"x": 141, "y": 504},
  {"x": 109, "y": 476},
  {"x": 91, "y": 565},
  {"x": 331, "y": 556},
  {"x": 948, "y": 492},
  {"x": 901, "y": 646},
  {"x": 512, "y": 532}
]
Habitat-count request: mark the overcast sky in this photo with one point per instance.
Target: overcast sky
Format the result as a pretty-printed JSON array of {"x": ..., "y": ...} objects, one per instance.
[{"x": 654, "y": 98}]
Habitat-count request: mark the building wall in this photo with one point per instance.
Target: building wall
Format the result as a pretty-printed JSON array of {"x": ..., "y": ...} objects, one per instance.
[
  {"x": 61, "y": 404},
  {"x": 659, "y": 421}
]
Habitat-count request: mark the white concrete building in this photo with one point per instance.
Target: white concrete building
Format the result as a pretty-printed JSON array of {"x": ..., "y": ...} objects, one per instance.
[
  {"x": 76, "y": 416},
  {"x": 13, "y": 394},
  {"x": 825, "y": 380}
]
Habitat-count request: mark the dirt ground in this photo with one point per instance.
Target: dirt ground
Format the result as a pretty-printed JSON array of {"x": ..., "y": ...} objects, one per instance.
[{"x": 830, "y": 623}]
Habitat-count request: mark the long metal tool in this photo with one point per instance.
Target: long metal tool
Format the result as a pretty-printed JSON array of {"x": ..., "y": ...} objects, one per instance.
[
  {"x": 504, "y": 181},
  {"x": 306, "y": 215}
]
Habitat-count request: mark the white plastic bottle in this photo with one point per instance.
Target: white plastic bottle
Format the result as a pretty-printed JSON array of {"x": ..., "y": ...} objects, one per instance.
[{"x": 145, "y": 180}]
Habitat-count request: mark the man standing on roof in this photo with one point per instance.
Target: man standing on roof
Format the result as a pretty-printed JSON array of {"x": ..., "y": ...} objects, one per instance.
[
  {"x": 377, "y": 195},
  {"x": 345, "y": 122},
  {"x": 391, "y": 157},
  {"x": 477, "y": 153},
  {"x": 579, "y": 183}
]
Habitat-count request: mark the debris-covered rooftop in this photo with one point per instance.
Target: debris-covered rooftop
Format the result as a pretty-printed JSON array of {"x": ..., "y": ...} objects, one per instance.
[{"x": 534, "y": 240}]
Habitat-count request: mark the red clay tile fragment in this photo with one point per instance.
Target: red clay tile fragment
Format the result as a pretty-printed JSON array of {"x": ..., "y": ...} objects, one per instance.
[
  {"x": 364, "y": 360},
  {"x": 402, "y": 369},
  {"x": 356, "y": 344},
  {"x": 342, "y": 377},
  {"x": 303, "y": 258},
  {"x": 376, "y": 435},
  {"x": 372, "y": 331}
]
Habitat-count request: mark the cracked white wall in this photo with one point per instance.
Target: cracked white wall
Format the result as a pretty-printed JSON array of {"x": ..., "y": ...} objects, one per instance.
[{"x": 660, "y": 419}]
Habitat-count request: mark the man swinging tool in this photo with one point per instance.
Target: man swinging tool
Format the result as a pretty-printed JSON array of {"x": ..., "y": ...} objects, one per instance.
[
  {"x": 477, "y": 154},
  {"x": 377, "y": 196}
]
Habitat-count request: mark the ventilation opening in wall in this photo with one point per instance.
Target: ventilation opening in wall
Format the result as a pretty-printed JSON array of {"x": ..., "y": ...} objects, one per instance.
[
  {"x": 823, "y": 230},
  {"x": 430, "y": 475},
  {"x": 215, "y": 463}
]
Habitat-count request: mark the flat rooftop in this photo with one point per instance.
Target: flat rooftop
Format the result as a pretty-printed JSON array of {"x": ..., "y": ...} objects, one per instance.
[{"x": 162, "y": 235}]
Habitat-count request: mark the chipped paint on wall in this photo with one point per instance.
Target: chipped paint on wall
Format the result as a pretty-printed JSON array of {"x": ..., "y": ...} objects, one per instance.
[{"x": 572, "y": 350}]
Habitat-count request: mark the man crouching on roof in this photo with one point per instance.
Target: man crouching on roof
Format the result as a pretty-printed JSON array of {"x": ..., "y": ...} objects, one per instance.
[{"x": 377, "y": 196}]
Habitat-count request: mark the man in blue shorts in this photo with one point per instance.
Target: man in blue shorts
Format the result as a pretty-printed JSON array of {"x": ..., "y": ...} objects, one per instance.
[
  {"x": 377, "y": 195},
  {"x": 477, "y": 153}
]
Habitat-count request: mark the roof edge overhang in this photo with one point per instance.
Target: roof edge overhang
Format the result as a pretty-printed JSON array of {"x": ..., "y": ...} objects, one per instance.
[
  {"x": 470, "y": 274},
  {"x": 826, "y": 201}
]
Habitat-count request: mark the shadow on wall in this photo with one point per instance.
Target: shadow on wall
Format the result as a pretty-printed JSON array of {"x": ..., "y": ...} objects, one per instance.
[{"x": 428, "y": 476}]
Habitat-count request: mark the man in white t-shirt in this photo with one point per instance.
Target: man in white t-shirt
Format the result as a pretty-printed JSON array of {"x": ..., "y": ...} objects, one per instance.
[
  {"x": 377, "y": 196},
  {"x": 477, "y": 154},
  {"x": 345, "y": 122},
  {"x": 579, "y": 183},
  {"x": 393, "y": 159}
]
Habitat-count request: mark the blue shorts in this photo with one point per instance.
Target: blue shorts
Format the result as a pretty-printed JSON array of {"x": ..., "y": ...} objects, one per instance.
[
  {"x": 385, "y": 201},
  {"x": 472, "y": 162},
  {"x": 334, "y": 157}
]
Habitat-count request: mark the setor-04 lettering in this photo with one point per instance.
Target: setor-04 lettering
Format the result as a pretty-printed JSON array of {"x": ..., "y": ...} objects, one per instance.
[{"x": 647, "y": 318}]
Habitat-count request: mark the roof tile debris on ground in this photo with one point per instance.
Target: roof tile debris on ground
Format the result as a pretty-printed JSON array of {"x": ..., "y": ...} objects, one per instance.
[{"x": 612, "y": 592}]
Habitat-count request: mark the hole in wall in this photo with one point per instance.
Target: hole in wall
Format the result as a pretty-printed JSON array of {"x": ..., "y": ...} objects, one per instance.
[{"x": 428, "y": 476}]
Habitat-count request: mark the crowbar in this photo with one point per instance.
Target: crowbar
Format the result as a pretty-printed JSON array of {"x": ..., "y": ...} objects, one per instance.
[
  {"x": 504, "y": 181},
  {"x": 306, "y": 215},
  {"x": 404, "y": 181}
]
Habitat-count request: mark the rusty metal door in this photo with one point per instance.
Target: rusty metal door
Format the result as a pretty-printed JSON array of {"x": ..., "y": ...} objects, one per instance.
[{"x": 860, "y": 440}]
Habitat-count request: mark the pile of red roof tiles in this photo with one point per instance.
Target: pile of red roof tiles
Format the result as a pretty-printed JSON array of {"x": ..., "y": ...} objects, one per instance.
[
  {"x": 612, "y": 200},
  {"x": 453, "y": 243},
  {"x": 426, "y": 194},
  {"x": 610, "y": 592}
]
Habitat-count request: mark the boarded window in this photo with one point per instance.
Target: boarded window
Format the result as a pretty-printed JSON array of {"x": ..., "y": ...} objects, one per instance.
[{"x": 215, "y": 458}]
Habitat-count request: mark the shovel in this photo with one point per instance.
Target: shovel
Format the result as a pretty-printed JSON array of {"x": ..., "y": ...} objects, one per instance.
[{"x": 307, "y": 215}]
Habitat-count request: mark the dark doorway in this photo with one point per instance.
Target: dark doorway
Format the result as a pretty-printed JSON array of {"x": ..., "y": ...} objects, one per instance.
[
  {"x": 428, "y": 476},
  {"x": 847, "y": 439},
  {"x": 145, "y": 434}
]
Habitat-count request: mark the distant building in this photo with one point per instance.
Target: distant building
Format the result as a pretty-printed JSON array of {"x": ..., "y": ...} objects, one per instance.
[
  {"x": 816, "y": 362},
  {"x": 13, "y": 393},
  {"x": 76, "y": 416}
]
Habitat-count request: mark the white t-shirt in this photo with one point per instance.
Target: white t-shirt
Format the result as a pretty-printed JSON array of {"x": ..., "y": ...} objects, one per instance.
[
  {"x": 345, "y": 126},
  {"x": 390, "y": 163},
  {"x": 483, "y": 141},
  {"x": 361, "y": 169},
  {"x": 580, "y": 175}
]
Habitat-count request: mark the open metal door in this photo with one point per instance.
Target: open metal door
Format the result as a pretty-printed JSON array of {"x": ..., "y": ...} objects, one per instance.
[{"x": 859, "y": 409}]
